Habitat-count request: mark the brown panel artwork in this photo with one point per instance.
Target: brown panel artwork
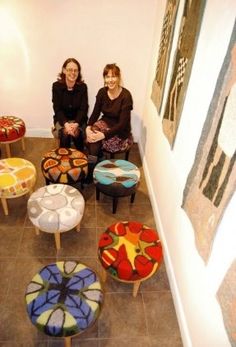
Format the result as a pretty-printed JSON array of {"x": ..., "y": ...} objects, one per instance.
[
  {"x": 190, "y": 25},
  {"x": 227, "y": 299},
  {"x": 212, "y": 179},
  {"x": 164, "y": 52}
]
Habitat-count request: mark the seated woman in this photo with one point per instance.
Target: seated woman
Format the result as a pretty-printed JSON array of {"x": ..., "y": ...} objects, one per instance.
[
  {"x": 109, "y": 126},
  {"x": 70, "y": 104}
]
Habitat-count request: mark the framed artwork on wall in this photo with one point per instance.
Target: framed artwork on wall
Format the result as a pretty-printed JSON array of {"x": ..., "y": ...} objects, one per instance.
[
  {"x": 164, "y": 52},
  {"x": 212, "y": 179},
  {"x": 187, "y": 41}
]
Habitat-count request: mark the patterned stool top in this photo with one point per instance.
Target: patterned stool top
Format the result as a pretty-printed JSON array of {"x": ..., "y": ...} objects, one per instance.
[
  {"x": 64, "y": 298},
  {"x": 11, "y": 128},
  {"x": 64, "y": 165},
  {"x": 17, "y": 177},
  {"x": 57, "y": 207},
  {"x": 130, "y": 251},
  {"x": 116, "y": 172}
]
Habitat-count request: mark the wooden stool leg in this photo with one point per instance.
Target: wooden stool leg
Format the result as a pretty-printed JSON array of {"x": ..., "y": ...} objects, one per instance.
[
  {"x": 77, "y": 227},
  {"x": 8, "y": 150},
  {"x": 57, "y": 240},
  {"x": 136, "y": 288},
  {"x": 68, "y": 341},
  {"x": 37, "y": 230},
  {"x": 4, "y": 206},
  {"x": 114, "y": 205},
  {"x": 127, "y": 155},
  {"x": 104, "y": 275},
  {"x": 132, "y": 198},
  {"x": 23, "y": 143}
]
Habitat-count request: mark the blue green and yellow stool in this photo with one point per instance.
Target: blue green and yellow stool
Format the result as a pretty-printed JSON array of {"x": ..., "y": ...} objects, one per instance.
[
  {"x": 130, "y": 252},
  {"x": 64, "y": 299},
  {"x": 116, "y": 178},
  {"x": 17, "y": 178}
]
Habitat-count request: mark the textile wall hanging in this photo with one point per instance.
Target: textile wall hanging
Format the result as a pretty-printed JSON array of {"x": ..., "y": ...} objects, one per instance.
[
  {"x": 189, "y": 30},
  {"x": 227, "y": 299},
  {"x": 164, "y": 52},
  {"x": 212, "y": 179}
]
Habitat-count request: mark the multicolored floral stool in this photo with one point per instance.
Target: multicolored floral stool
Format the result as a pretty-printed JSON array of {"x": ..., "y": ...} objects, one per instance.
[
  {"x": 17, "y": 178},
  {"x": 55, "y": 209},
  {"x": 130, "y": 252},
  {"x": 116, "y": 178},
  {"x": 64, "y": 165},
  {"x": 64, "y": 299},
  {"x": 12, "y": 129}
]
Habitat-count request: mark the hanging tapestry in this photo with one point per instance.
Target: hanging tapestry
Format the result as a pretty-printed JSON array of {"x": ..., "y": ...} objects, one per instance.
[
  {"x": 189, "y": 29},
  {"x": 227, "y": 299},
  {"x": 212, "y": 179},
  {"x": 164, "y": 52}
]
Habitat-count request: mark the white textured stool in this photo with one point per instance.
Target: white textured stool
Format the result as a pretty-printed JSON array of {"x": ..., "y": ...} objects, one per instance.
[{"x": 55, "y": 209}]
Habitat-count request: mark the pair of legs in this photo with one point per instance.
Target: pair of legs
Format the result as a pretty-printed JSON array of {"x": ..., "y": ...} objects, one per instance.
[{"x": 65, "y": 140}]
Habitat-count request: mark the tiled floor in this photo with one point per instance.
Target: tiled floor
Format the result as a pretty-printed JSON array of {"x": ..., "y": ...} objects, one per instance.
[{"x": 149, "y": 320}]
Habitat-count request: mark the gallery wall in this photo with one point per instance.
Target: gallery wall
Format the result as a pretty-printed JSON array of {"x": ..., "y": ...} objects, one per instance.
[
  {"x": 37, "y": 36},
  {"x": 194, "y": 282}
]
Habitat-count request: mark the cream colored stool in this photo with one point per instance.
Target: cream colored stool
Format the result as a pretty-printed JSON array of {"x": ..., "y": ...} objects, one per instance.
[
  {"x": 12, "y": 129},
  {"x": 17, "y": 178},
  {"x": 56, "y": 208}
]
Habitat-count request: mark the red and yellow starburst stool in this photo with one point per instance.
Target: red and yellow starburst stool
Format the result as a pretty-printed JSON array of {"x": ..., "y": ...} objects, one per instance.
[
  {"x": 12, "y": 129},
  {"x": 17, "y": 178},
  {"x": 64, "y": 299},
  {"x": 130, "y": 252},
  {"x": 64, "y": 165}
]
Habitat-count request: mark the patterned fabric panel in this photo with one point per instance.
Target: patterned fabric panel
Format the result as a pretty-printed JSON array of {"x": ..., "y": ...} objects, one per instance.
[
  {"x": 64, "y": 298},
  {"x": 64, "y": 165},
  {"x": 56, "y": 207},
  {"x": 17, "y": 177},
  {"x": 130, "y": 251},
  {"x": 11, "y": 128},
  {"x": 116, "y": 171}
]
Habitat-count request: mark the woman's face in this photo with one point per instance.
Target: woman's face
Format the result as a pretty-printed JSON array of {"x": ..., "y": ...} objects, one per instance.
[
  {"x": 71, "y": 72},
  {"x": 111, "y": 80}
]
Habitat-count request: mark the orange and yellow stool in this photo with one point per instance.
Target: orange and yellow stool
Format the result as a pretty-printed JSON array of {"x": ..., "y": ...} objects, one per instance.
[
  {"x": 17, "y": 178},
  {"x": 12, "y": 129}
]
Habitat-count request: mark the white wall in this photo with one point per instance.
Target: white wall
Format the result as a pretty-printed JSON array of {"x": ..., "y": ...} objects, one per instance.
[
  {"x": 194, "y": 284},
  {"x": 37, "y": 36}
]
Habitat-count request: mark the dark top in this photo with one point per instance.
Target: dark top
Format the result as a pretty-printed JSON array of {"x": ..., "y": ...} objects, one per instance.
[
  {"x": 116, "y": 113},
  {"x": 70, "y": 104}
]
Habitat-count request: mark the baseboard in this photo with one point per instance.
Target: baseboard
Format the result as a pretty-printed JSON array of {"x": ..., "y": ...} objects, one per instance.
[
  {"x": 169, "y": 267},
  {"x": 38, "y": 132}
]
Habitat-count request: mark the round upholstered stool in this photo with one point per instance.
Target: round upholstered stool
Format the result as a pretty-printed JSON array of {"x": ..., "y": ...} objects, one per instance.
[
  {"x": 12, "y": 129},
  {"x": 116, "y": 178},
  {"x": 130, "y": 252},
  {"x": 64, "y": 165},
  {"x": 17, "y": 178},
  {"x": 64, "y": 299},
  {"x": 56, "y": 208}
]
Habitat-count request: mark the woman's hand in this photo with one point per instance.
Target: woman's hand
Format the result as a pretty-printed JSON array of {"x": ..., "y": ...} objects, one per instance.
[{"x": 94, "y": 135}]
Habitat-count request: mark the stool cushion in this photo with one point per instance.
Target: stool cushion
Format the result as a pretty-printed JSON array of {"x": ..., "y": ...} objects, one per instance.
[
  {"x": 64, "y": 298},
  {"x": 56, "y": 207},
  {"x": 116, "y": 177},
  {"x": 130, "y": 251},
  {"x": 11, "y": 128},
  {"x": 64, "y": 165},
  {"x": 17, "y": 177}
]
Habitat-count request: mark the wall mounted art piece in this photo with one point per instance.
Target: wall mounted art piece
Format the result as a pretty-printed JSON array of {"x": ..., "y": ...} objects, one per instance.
[
  {"x": 212, "y": 179},
  {"x": 189, "y": 30},
  {"x": 227, "y": 299},
  {"x": 164, "y": 52}
]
